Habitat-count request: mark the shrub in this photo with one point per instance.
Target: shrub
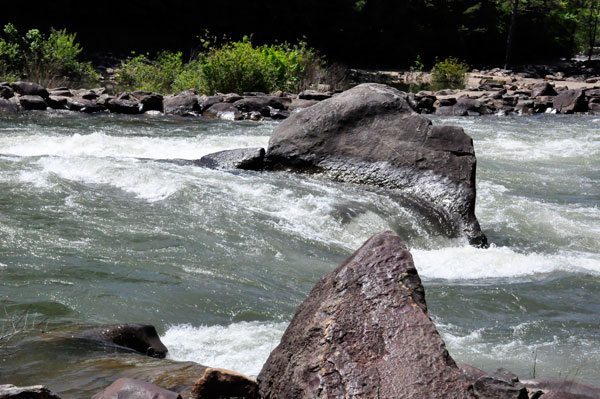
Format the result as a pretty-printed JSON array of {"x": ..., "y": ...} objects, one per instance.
[
  {"x": 46, "y": 60},
  {"x": 449, "y": 72},
  {"x": 141, "y": 73},
  {"x": 232, "y": 67}
]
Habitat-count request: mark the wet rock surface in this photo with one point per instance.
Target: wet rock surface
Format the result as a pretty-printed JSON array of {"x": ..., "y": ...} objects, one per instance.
[
  {"x": 241, "y": 158},
  {"x": 364, "y": 332},
  {"x": 141, "y": 338},
  {"x": 371, "y": 135}
]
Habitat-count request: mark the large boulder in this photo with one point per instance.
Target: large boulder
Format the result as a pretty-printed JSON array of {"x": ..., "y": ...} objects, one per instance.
[
  {"x": 364, "y": 332},
  {"x": 127, "y": 388},
  {"x": 32, "y": 103},
  {"x": 371, "y": 135},
  {"x": 142, "y": 338},
  {"x": 8, "y": 391}
]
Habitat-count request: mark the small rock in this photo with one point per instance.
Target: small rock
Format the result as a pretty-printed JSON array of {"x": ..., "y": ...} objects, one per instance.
[
  {"x": 124, "y": 106},
  {"x": 219, "y": 383},
  {"x": 82, "y": 105},
  {"x": 128, "y": 388},
  {"x": 313, "y": 95},
  {"x": 182, "y": 104},
  {"x": 543, "y": 89},
  {"x": 150, "y": 101},
  {"x": 500, "y": 385},
  {"x": 57, "y": 102},
  {"x": 142, "y": 338},
  {"x": 240, "y": 158},
  {"x": 570, "y": 101}
]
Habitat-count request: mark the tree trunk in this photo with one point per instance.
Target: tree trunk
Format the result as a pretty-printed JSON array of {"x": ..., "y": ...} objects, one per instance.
[{"x": 511, "y": 31}]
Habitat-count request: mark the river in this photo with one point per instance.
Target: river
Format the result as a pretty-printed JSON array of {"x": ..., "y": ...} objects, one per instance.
[{"x": 103, "y": 221}]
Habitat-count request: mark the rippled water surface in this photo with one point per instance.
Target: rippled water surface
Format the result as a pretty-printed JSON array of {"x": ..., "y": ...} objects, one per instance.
[{"x": 101, "y": 221}]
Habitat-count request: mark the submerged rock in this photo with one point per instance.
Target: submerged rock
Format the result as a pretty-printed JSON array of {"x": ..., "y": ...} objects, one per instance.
[
  {"x": 240, "y": 158},
  {"x": 371, "y": 135},
  {"x": 8, "y": 391},
  {"x": 142, "y": 338},
  {"x": 127, "y": 388},
  {"x": 364, "y": 332},
  {"x": 219, "y": 383}
]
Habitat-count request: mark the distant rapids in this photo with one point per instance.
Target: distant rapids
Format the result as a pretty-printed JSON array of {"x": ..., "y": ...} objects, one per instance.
[{"x": 101, "y": 223}]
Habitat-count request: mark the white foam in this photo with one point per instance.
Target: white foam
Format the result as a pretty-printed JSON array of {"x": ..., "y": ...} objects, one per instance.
[
  {"x": 469, "y": 263},
  {"x": 242, "y": 347},
  {"x": 103, "y": 145},
  {"x": 146, "y": 180}
]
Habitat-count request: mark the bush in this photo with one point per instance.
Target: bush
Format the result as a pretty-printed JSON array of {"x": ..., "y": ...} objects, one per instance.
[
  {"x": 141, "y": 73},
  {"x": 47, "y": 60},
  {"x": 449, "y": 73},
  {"x": 233, "y": 67}
]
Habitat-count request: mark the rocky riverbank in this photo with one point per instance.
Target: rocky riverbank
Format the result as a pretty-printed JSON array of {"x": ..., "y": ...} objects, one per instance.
[{"x": 492, "y": 92}]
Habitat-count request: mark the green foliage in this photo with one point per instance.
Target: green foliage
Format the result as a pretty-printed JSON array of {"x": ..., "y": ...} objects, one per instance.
[
  {"x": 232, "y": 67},
  {"x": 449, "y": 72},
  {"x": 141, "y": 73},
  {"x": 418, "y": 65},
  {"x": 47, "y": 60}
]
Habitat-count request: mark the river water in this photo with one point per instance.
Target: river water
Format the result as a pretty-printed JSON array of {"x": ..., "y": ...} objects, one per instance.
[{"x": 102, "y": 222}]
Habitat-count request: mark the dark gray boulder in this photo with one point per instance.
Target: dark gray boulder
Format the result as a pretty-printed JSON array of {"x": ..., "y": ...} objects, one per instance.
[
  {"x": 241, "y": 158},
  {"x": 570, "y": 101},
  {"x": 149, "y": 101},
  {"x": 83, "y": 105},
  {"x": 464, "y": 106},
  {"x": 141, "y": 338},
  {"x": 57, "y": 102},
  {"x": 8, "y": 391},
  {"x": 313, "y": 95},
  {"x": 9, "y": 106},
  {"x": 181, "y": 104},
  {"x": 32, "y": 103},
  {"x": 371, "y": 135},
  {"x": 500, "y": 385},
  {"x": 206, "y": 102},
  {"x": 128, "y": 388},
  {"x": 218, "y": 383},
  {"x": 225, "y": 111},
  {"x": 29, "y": 89},
  {"x": 364, "y": 332},
  {"x": 6, "y": 92},
  {"x": 124, "y": 106}
]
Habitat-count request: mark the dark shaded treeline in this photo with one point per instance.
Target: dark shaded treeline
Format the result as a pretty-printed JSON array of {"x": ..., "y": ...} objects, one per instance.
[{"x": 376, "y": 33}]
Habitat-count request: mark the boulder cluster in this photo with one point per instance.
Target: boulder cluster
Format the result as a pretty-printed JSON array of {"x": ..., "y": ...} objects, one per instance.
[
  {"x": 503, "y": 97},
  {"x": 26, "y": 96}
]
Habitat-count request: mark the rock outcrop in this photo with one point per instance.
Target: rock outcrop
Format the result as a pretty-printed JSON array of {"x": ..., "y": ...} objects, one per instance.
[
  {"x": 141, "y": 338},
  {"x": 364, "y": 332},
  {"x": 371, "y": 135}
]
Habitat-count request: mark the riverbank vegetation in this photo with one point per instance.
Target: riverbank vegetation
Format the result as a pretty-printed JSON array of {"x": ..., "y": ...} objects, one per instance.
[
  {"x": 232, "y": 67},
  {"x": 50, "y": 59}
]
